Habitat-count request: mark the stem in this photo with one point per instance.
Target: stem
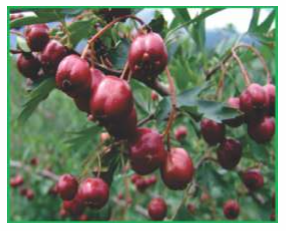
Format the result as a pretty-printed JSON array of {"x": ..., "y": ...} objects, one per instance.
[
  {"x": 221, "y": 82},
  {"x": 174, "y": 107},
  {"x": 17, "y": 33},
  {"x": 145, "y": 120},
  {"x": 125, "y": 72},
  {"x": 242, "y": 68},
  {"x": 15, "y": 51},
  {"x": 259, "y": 55},
  {"x": 102, "y": 31}
]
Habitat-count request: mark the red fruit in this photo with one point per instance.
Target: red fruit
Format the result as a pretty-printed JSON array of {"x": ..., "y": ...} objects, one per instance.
[
  {"x": 191, "y": 208},
  {"x": 262, "y": 131},
  {"x": 147, "y": 55},
  {"x": 135, "y": 177},
  {"x": 151, "y": 180},
  {"x": 272, "y": 216},
  {"x": 73, "y": 76},
  {"x": 94, "y": 192},
  {"x": 74, "y": 207},
  {"x": 270, "y": 91},
  {"x": 141, "y": 184},
  {"x": 253, "y": 179},
  {"x": 157, "y": 209},
  {"x": 212, "y": 132},
  {"x": 147, "y": 152},
  {"x": 154, "y": 96},
  {"x": 205, "y": 197},
  {"x": 104, "y": 136},
  {"x": 28, "y": 65},
  {"x": 178, "y": 169},
  {"x": 23, "y": 192},
  {"x": 254, "y": 100},
  {"x": 111, "y": 100},
  {"x": 16, "y": 181},
  {"x": 67, "y": 187},
  {"x": 234, "y": 102},
  {"x": 231, "y": 209},
  {"x": 52, "y": 55},
  {"x": 63, "y": 213},
  {"x": 34, "y": 161},
  {"x": 123, "y": 128},
  {"x": 83, "y": 217},
  {"x": 181, "y": 133},
  {"x": 229, "y": 153},
  {"x": 30, "y": 194},
  {"x": 37, "y": 36}
]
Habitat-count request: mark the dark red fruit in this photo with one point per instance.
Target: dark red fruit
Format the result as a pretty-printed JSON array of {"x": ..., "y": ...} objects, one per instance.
[
  {"x": 74, "y": 207},
  {"x": 16, "y": 181},
  {"x": 34, "y": 161},
  {"x": 262, "y": 131},
  {"x": 191, "y": 208},
  {"x": 272, "y": 216},
  {"x": 181, "y": 132},
  {"x": 135, "y": 177},
  {"x": 157, "y": 209},
  {"x": 73, "y": 76},
  {"x": 52, "y": 55},
  {"x": 270, "y": 91},
  {"x": 23, "y": 192},
  {"x": 147, "y": 55},
  {"x": 83, "y": 217},
  {"x": 254, "y": 101},
  {"x": 111, "y": 100},
  {"x": 234, "y": 102},
  {"x": 154, "y": 96},
  {"x": 67, "y": 187},
  {"x": 151, "y": 180},
  {"x": 229, "y": 153},
  {"x": 94, "y": 192},
  {"x": 37, "y": 36},
  {"x": 123, "y": 128},
  {"x": 253, "y": 179},
  {"x": 147, "y": 152},
  {"x": 141, "y": 185},
  {"x": 30, "y": 194},
  {"x": 28, "y": 65},
  {"x": 178, "y": 169},
  {"x": 231, "y": 209},
  {"x": 212, "y": 132}
]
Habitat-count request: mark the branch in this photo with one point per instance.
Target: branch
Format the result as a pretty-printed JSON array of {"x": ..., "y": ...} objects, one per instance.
[
  {"x": 145, "y": 120},
  {"x": 44, "y": 173}
]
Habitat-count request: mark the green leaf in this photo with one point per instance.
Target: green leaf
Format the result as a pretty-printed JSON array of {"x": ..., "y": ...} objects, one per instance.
[
  {"x": 80, "y": 30},
  {"x": 157, "y": 24},
  {"x": 265, "y": 26},
  {"x": 119, "y": 53},
  {"x": 22, "y": 44},
  {"x": 254, "y": 20},
  {"x": 41, "y": 16},
  {"x": 182, "y": 14},
  {"x": 40, "y": 93}
]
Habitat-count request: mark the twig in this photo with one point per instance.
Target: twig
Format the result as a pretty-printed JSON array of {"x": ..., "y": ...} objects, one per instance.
[
  {"x": 44, "y": 173},
  {"x": 145, "y": 120}
]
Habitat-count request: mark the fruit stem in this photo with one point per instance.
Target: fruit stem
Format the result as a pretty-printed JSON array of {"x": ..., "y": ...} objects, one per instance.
[
  {"x": 241, "y": 66},
  {"x": 220, "y": 86},
  {"x": 259, "y": 55},
  {"x": 125, "y": 72},
  {"x": 145, "y": 120},
  {"x": 174, "y": 106},
  {"x": 102, "y": 31}
]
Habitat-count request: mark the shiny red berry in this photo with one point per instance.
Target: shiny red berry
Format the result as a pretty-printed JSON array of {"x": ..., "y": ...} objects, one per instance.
[
  {"x": 270, "y": 91},
  {"x": 262, "y": 131},
  {"x": 157, "y": 209},
  {"x": 147, "y": 151},
  {"x": 229, "y": 153},
  {"x": 37, "y": 36},
  {"x": 94, "y": 192},
  {"x": 178, "y": 169},
  {"x": 16, "y": 181},
  {"x": 73, "y": 76},
  {"x": 30, "y": 194},
  {"x": 181, "y": 132},
  {"x": 52, "y": 55},
  {"x": 191, "y": 208},
  {"x": 28, "y": 65},
  {"x": 231, "y": 209},
  {"x": 111, "y": 100},
  {"x": 154, "y": 96},
  {"x": 147, "y": 55},
  {"x": 212, "y": 132},
  {"x": 253, "y": 179},
  {"x": 67, "y": 187},
  {"x": 74, "y": 207}
]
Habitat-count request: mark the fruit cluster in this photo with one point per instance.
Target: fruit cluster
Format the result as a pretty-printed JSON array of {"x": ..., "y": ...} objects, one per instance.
[{"x": 142, "y": 183}]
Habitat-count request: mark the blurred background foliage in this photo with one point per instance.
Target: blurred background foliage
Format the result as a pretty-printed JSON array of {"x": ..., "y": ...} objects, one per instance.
[{"x": 49, "y": 127}]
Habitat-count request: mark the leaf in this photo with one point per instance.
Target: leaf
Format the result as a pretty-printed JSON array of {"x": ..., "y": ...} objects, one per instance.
[
  {"x": 199, "y": 18},
  {"x": 119, "y": 53},
  {"x": 157, "y": 24},
  {"x": 22, "y": 44},
  {"x": 254, "y": 20},
  {"x": 41, "y": 16},
  {"x": 265, "y": 26},
  {"x": 80, "y": 30},
  {"x": 40, "y": 93},
  {"x": 182, "y": 14}
]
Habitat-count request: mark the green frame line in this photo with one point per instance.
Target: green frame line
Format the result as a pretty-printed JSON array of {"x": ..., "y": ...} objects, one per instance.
[{"x": 94, "y": 7}]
